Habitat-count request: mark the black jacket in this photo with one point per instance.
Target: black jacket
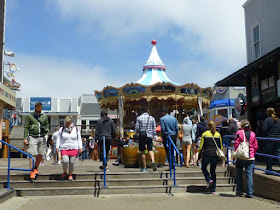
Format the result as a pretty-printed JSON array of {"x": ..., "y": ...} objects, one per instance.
[
  {"x": 105, "y": 127},
  {"x": 271, "y": 128},
  {"x": 232, "y": 128},
  {"x": 201, "y": 128}
]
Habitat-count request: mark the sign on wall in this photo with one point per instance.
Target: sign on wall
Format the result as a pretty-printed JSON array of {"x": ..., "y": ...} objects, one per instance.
[
  {"x": 268, "y": 90},
  {"x": 46, "y": 101}
]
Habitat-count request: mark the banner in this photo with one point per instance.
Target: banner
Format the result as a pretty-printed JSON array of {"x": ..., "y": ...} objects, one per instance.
[{"x": 46, "y": 101}]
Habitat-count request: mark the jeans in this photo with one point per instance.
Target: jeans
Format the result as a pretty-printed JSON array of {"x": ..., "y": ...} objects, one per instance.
[
  {"x": 213, "y": 164},
  {"x": 271, "y": 148},
  {"x": 84, "y": 155},
  {"x": 174, "y": 139},
  {"x": 248, "y": 164},
  {"x": 107, "y": 145}
]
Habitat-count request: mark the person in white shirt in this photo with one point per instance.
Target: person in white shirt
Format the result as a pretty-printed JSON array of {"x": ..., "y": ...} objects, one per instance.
[
  {"x": 55, "y": 154},
  {"x": 70, "y": 142}
]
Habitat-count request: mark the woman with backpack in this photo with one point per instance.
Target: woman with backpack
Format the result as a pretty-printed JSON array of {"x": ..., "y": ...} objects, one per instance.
[
  {"x": 245, "y": 134},
  {"x": 70, "y": 142}
]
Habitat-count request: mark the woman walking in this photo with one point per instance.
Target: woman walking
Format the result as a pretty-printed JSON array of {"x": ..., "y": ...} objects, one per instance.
[
  {"x": 194, "y": 145},
  {"x": 245, "y": 135},
  {"x": 208, "y": 150},
  {"x": 70, "y": 142},
  {"x": 186, "y": 142}
]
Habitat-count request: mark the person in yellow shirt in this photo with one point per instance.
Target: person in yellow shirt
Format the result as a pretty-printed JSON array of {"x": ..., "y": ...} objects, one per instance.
[{"x": 207, "y": 149}]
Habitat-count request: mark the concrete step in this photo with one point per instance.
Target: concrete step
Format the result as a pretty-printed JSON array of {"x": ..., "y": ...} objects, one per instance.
[
  {"x": 112, "y": 182},
  {"x": 90, "y": 190},
  {"x": 201, "y": 188},
  {"x": 113, "y": 175},
  {"x": 6, "y": 194}
]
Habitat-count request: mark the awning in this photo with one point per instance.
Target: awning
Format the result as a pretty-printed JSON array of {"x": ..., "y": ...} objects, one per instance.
[
  {"x": 222, "y": 103},
  {"x": 239, "y": 78}
]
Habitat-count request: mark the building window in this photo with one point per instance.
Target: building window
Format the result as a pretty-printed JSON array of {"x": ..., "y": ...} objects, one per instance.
[
  {"x": 233, "y": 113},
  {"x": 92, "y": 124},
  {"x": 84, "y": 123},
  {"x": 61, "y": 120},
  {"x": 223, "y": 112},
  {"x": 256, "y": 42}
]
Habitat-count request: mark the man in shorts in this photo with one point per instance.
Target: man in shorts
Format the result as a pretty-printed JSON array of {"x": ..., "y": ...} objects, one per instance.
[
  {"x": 147, "y": 124},
  {"x": 36, "y": 131}
]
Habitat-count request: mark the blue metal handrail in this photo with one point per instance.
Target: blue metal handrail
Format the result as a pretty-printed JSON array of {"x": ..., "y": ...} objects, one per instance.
[
  {"x": 104, "y": 161},
  {"x": 172, "y": 147},
  {"x": 9, "y": 160},
  {"x": 227, "y": 137}
]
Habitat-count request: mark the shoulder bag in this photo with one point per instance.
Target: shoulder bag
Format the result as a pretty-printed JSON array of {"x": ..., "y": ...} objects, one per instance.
[
  {"x": 242, "y": 151},
  {"x": 143, "y": 134},
  {"x": 219, "y": 152}
]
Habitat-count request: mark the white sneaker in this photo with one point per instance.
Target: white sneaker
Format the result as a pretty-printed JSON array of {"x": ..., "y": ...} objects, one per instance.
[{"x": 59, "y": 163}]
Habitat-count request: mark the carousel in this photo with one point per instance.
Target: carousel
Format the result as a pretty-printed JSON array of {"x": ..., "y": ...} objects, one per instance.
[{"x": 155, "y": 90}]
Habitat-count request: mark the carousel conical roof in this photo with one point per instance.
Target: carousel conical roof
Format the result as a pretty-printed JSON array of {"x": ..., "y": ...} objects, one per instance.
[{"x": 154, "y": 69}]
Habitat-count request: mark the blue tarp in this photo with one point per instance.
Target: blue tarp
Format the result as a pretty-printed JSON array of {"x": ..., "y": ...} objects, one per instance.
[{"x": 222, "y": 103}]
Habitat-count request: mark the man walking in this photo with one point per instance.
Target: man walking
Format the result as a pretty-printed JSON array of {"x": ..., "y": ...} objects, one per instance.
[
  {"x": 36, "y": 131},
  {"x": 146, "y": 128},
  {"x": 169, "y": 127},
  {"x": 104, "y": 127}
]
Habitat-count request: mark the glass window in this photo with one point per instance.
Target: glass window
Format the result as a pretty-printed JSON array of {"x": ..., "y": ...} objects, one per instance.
[
  {"x": 61, "y": 120},
  {"x": 256, "y": 42},
  {"x": 223, "y": 112},
  {"x": 233, "y": 113},
  {"x": 92, "y": 124},
  {"x": 84, "y": 123}
]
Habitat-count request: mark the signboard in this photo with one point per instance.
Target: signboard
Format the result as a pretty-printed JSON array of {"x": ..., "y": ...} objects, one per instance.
[
  {"x": 46, "y": 101},
  {"x": 163, "y": 88},
  {"x": 189, "y": 91},
  {"x": 110, "y": 92},
  {"x": 240, "y": 105},
  {"x": 268, "y": 90},
  {"x": 221, "y": 90},
  {"x": 134, "y": 90}
]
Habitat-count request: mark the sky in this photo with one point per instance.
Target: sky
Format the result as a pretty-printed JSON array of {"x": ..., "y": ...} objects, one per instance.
[{"x": 65, "y": 48}]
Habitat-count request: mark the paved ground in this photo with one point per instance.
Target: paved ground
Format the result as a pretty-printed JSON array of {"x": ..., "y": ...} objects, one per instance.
[{"x": 149, "y": 201}]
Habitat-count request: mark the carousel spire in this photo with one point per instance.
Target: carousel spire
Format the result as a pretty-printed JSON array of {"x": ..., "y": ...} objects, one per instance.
[
  {"x": 154, "y": 60},
  {"x": 154, "y": 69}
]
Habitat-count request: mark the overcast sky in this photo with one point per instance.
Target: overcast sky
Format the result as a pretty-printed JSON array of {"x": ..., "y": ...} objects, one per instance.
[{"x": 65, "y": 48}]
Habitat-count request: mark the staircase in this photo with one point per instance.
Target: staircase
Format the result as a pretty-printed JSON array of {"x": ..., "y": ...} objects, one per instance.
[{"x": 118, "y": 182}]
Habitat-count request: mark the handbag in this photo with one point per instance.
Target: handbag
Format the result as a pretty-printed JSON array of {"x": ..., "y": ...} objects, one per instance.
[
  {"x": 143, "y": 134},
  {"x": 242, "y": 151},
  {"x": 180, "y": 134},
  {"x": 219, "y": 152}
]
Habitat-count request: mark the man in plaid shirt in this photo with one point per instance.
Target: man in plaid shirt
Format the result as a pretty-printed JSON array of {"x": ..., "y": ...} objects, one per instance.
[{"x": 147, "y": 123}]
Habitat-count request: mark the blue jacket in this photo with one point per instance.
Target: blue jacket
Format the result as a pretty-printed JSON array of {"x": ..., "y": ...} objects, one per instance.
[{"x": 169, "y": 125}]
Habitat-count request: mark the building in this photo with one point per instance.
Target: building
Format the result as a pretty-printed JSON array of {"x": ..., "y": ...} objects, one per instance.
[
  {"x": 261, "y": 76},
  {"x": 223, "y": 101}
]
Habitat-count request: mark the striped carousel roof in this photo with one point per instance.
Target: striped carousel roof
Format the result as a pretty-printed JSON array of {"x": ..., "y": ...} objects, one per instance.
[{"x": 154, "y": 70}]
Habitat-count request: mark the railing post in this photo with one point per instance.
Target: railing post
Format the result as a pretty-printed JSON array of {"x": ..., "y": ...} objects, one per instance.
[
  {"x": 170, "y": 162},
  {"x": 174, "y": 174},
  {"x": 227, "y": 151},
  {"x": 8, "y": 176},
  {"x": 104, "y": 160}
]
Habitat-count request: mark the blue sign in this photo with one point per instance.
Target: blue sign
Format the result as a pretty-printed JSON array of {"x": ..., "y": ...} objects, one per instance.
[{"x": 47, "y": 103}]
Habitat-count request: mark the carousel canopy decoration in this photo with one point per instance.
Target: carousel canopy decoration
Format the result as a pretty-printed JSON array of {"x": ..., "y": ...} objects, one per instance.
[{"x": 154, "y": 85}]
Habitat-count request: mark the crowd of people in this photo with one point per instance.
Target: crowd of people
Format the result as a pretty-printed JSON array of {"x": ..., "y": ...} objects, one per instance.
[{"x": 199, "y": 142}]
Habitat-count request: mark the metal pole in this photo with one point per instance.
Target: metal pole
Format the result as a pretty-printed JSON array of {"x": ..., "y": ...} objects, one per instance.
[
  {"x": 174, "y": 176},
  {"x": 170, "y": 162},
  {"x": 104, "y": 160},
  {"x": 8, "y": 176},
  {"x": 227, "y": 150}
]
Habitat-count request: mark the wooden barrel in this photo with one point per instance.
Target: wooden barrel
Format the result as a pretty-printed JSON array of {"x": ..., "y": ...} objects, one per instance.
[
  {"x": 148, "y": 159},
  {"x": 129, "y": 157},
  {"x": 162, "y": 156}
]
